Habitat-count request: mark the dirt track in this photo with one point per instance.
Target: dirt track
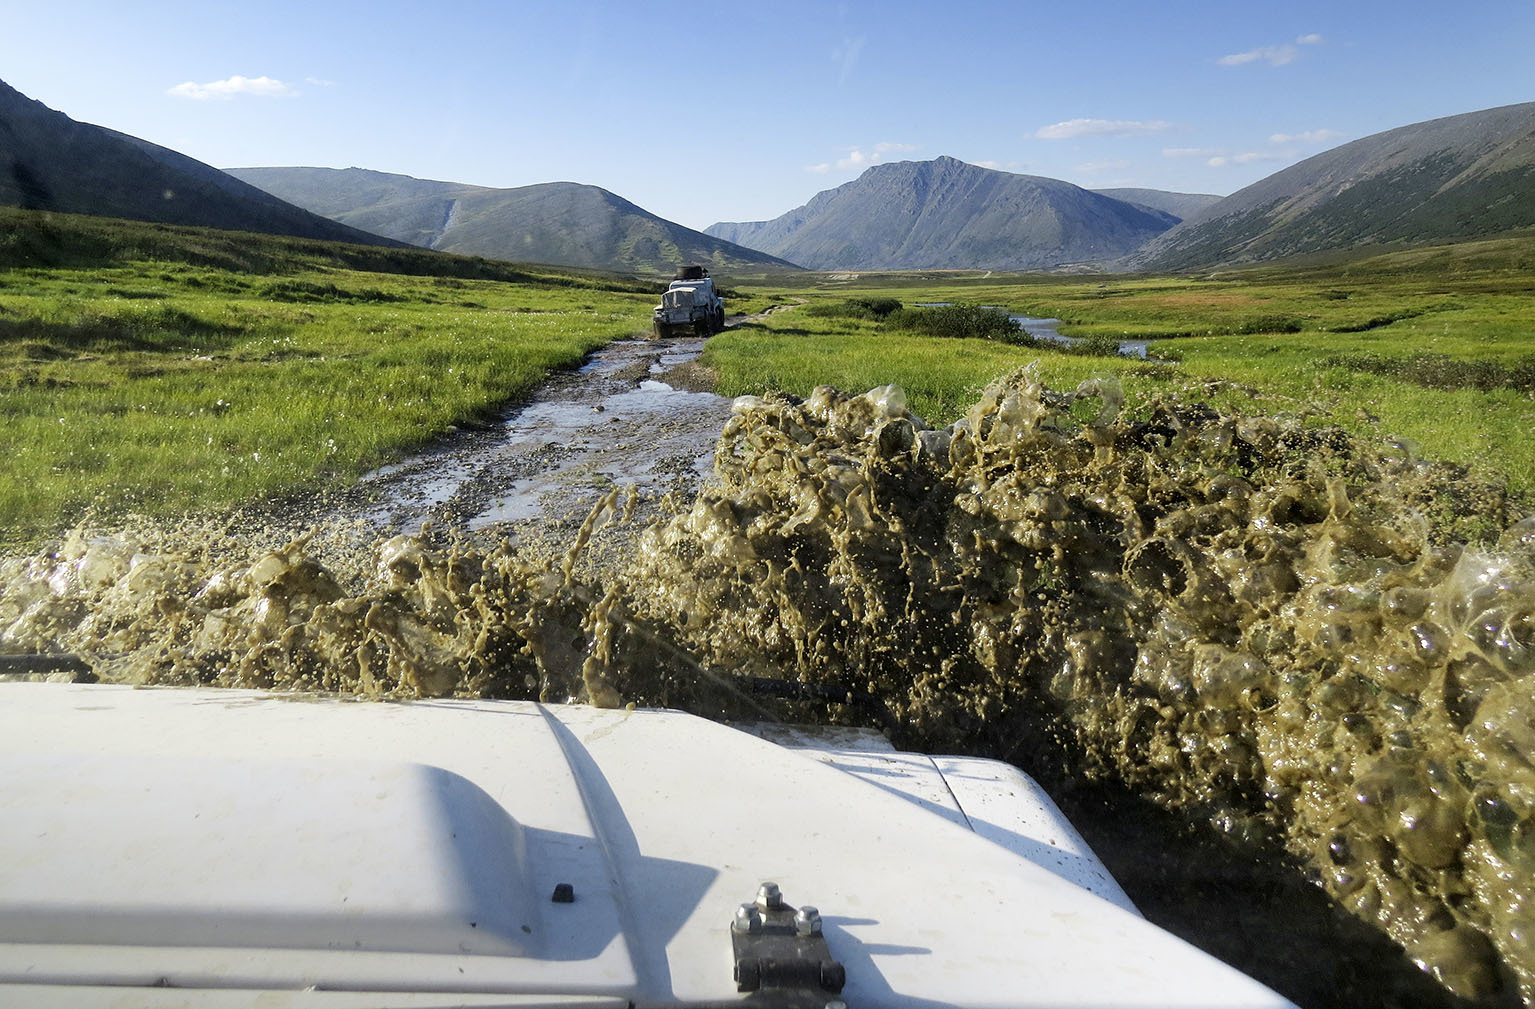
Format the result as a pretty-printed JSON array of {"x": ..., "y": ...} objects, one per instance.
[{"x": 535, "y": 474}]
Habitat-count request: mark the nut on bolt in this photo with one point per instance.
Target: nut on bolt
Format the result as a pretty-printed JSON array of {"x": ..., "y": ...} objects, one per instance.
[
  {"x": 768, "y": 897},
  {"x": 747, "y": 919},
  {"x": 807, "y": 921}
]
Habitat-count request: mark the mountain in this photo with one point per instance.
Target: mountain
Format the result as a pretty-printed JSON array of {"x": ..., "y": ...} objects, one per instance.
[
  {"x": 560, "y": 223},
  {"x": 1180, "y": 205},
  {"x": 945, "y": 214},
  {"x": 1459, "y": 177},
  {"x": 50, "y": 162}
]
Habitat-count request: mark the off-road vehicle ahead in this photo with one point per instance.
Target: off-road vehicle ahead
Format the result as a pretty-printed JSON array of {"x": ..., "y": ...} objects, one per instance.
[{"x": 690, "y": 305}]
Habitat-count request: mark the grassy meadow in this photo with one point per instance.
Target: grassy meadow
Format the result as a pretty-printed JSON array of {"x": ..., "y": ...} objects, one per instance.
[
  {"x": 165, "y": 370},
  {"x": 174, "y": 370},
  {"x": 1433, "y": 345}
]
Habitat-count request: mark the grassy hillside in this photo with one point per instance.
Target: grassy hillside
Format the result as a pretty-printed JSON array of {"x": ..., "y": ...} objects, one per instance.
[
  {"x": 560, "y": 223},
  {"x": 1459, "y": 177},
  {"x": 35, "y": 239},
  {"x": 158, "y": 370},
  {"x": 50, "y": 162}
]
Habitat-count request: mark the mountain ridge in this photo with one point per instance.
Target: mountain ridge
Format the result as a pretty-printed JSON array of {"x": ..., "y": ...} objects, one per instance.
[
  {"x": 1456, "y": 177},
  {"x": 51, "y": 162},
  {"x": 946, "y": 214},
  {"x": 559, "y": 223}
]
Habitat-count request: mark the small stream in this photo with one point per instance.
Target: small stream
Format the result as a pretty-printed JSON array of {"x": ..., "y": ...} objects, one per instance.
[{"x": 1045, "y": 329}]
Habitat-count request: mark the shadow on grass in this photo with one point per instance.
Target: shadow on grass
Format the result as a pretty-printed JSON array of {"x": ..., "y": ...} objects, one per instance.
[
  {"x": 1440, "y": 371},
  {"x": 770, "y": 330},
  {"x": 158, "y": 329},
  {"x": 308, "y": 291}
]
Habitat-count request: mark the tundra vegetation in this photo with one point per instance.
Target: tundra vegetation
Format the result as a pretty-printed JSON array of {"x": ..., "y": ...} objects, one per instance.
[
  {"x": 166, "y": 369},
  {"x": 163, "y": 370},
  {"x": 1180, "y": 577}
]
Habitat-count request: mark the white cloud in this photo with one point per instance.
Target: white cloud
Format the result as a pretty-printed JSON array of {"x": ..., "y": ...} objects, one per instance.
[
  {"x": 1283, "y": 149},
  {"x": 1306, "y": 137},
  {"x": 1246, "y": 158},
  {"x": 857, "y": 157},
  {"x": 993, "y": 165},
  {"x": 846, "y": 56},
  {"x": 1099, "y": 167},
  {"x": 1101, "y": 128},
  {"x": 1274, "y": 56},
  {"x": 265, "y": 87}
]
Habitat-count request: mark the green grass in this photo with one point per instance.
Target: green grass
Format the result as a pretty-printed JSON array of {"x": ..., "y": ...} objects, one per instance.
[
  {"x": 942, "y": 376},
  {"x": 30, "y": 239},
  {"x": 172, "y": 385},
  {"x": 164, "y": 370}
]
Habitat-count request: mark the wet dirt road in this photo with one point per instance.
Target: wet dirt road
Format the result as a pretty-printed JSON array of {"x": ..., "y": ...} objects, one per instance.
[{"x": 625, "y": 418}]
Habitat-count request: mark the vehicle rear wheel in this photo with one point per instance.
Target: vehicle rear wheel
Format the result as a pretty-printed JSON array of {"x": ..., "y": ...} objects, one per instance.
[{"x": 704, "y": 327}]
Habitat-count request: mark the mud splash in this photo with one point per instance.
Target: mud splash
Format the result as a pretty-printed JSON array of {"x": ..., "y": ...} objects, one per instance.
[{"x": 1249, "y": 622}]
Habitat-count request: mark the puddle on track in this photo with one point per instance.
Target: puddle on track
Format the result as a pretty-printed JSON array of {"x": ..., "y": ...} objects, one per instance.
[{"x": 537, "y": 473}]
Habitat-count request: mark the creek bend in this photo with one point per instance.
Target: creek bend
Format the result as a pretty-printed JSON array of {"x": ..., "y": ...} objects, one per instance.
[{"x": 1046, "y": 329}]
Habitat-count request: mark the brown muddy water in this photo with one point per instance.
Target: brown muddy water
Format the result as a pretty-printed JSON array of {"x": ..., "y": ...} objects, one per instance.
[{"x": 1280, "y": 677}]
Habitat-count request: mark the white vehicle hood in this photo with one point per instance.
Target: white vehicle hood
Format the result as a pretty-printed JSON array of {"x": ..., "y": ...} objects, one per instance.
[{"x": 203, "y": 847}]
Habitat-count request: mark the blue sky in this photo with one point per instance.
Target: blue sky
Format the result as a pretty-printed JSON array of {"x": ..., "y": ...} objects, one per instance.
[{"x": 734, "y": 111}]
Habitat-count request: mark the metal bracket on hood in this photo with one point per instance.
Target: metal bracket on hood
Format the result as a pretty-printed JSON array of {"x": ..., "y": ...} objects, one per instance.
[{"x": 781, "y": 953}]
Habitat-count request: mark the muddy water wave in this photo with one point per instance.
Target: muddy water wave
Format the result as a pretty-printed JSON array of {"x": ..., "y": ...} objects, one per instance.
[{"x": 1275, "y": 629}]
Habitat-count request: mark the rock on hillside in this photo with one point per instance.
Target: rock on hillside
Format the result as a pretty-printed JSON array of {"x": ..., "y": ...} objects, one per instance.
[
  {"x": 945, "y": 214},
  {"x": 558, "y": 223},
  {"x": 1459, "y": 177},
  {"x": 50, "y": 162}
]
